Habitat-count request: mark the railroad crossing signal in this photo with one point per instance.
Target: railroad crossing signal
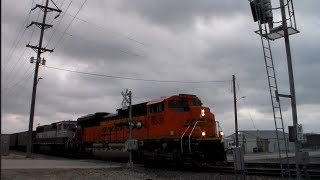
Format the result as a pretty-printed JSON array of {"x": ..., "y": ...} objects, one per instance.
[
  {"x": 131, "y": 143},
  {"x": 299, "y": 132},
  {"x": 296, "y": 134},
  {"x": 125, "y": 100}
]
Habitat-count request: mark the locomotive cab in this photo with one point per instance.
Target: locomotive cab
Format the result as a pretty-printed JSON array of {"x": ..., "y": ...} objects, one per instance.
[
  {"x": 66, "y": 128},
  {"x": 171, "y": 116},
  {"x": 182, "y": 125},
  {"x": 54, "y": 138}
]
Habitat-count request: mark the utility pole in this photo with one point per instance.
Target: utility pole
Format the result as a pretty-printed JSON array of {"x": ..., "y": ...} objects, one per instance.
[
  {"x": 38, "y": 50},
  {"x": 235, "y": 109},
  {"x": 238, "y": 157},
  {"x": 292, "y": 90}
]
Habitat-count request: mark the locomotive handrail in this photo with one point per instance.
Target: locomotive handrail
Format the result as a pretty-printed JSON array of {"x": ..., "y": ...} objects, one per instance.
[
  {"x": 70, "y": 139},
  {"x": 182, "y": 137},
  {"x": 194, "y": 126},
  {"x": 218, "y": 128}
]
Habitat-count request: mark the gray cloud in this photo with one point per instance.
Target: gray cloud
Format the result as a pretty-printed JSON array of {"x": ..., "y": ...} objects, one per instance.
[
  {"x": 182, "y": 13},
  {"x": 161, "y": 40}
]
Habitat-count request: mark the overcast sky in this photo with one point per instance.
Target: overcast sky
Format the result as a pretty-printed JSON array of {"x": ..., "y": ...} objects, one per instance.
[{"x": 166, "y": 40}]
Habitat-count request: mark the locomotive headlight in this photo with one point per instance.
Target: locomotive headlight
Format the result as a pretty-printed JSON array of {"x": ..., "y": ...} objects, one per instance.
[
  {"x": 203, "y": 133},
  {"x": 221, "y": 133},
  {"x": 202, "y": 112}
]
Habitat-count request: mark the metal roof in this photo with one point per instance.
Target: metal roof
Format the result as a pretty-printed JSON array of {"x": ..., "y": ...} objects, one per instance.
[
  {"x": 154, "y": 101},
  {"x": 265, "y": 134},
  {"x": 111, "y": 115}
]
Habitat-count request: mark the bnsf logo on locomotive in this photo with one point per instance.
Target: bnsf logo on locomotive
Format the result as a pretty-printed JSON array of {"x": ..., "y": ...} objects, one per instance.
[{"x": 108, "y": 130}]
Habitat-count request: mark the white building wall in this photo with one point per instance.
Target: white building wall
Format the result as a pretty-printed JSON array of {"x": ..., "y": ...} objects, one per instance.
[
  {"x": 273, "y": 146},
  {"x": 249, "y": 144}
]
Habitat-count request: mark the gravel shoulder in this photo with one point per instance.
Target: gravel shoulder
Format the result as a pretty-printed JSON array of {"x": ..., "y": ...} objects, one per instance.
[
  {"x": 22, "y": 155},
  {"x": 135, "y": 173},
  {"x": 93, "y": 171},
  {"x": 121, "y": 172}
]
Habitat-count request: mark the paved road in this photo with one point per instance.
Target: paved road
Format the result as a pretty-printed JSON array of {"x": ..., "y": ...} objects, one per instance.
[{"x": 56, "y": 164}]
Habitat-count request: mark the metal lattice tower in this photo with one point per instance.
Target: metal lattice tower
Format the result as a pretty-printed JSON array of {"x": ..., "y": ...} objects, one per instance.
[{"x": 262, "y": 13}]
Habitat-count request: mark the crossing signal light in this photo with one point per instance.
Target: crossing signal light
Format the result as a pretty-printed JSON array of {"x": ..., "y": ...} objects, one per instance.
[
  {"x": 292, "y": 134},
  {"x": 261, "y": 11}
]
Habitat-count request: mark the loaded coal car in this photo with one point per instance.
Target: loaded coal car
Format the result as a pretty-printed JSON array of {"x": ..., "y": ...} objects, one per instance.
[
  {"x": 19, "y": 141},
  {"x": 13, "y": 141},
  {"x": 23, "y": 139},
  {"x": 55, "y": 138},
  {"x": 176, "y": 128}
]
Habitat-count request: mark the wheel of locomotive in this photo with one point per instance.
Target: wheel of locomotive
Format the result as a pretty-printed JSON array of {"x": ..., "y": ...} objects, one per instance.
[
  {"x": 178, "y": 160},
  {"x": 197, "y": 161}
]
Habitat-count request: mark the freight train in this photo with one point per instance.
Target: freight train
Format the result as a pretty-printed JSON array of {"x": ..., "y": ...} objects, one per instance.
[{"x": 177, "y": 128}]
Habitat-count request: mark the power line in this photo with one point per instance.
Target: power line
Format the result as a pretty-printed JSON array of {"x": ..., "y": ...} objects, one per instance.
[
  {"x": 102, "y": 27},
  {"x": 18, "y": 60},
  {"x": 15, "y": 65},
  {"x": 14, "y": 45},
  {"x": 51, "y": 13},
  {"x": 118, "y": 49},
  {"x": 12, "y": 80},
  {"x": 22, "y": 80},
  {"x": 69, "y": 25},
  {"x": 58, "y": 24},
  {"x": 246, "y": 103},
  {"x": 75, "y": 17},
  {"x": 21, "y": 65},
  {"x": 35, "y": 26},
  {"x": 136, "y": 79}
]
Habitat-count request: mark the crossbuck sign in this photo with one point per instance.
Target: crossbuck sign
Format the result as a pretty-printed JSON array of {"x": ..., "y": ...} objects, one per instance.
[{"x": 125, "y": 100}]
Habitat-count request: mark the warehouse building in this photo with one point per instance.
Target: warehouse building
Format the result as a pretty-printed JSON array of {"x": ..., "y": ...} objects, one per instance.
[{"x": 253, "y": 141}]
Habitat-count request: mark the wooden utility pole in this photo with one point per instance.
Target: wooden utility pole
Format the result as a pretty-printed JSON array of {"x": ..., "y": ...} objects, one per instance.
[
  {"x": 235, "y": 109},
  {"x": 38, "y": 50}
]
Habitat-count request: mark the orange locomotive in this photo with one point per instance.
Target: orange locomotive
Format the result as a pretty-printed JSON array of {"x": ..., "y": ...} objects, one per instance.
[{"x": 174, "y": 128}]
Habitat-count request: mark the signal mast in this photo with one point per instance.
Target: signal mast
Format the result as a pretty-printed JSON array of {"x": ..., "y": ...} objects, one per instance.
[{"x": 262, "y": 12}]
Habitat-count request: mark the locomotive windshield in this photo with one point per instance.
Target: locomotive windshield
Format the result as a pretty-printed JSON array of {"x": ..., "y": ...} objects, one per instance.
[
  {"x": 180, "y": 105},
  {"x": 69, "y": 126},
  {"x": 196, "y": 102},
  {"x": 154, "y": 108}
]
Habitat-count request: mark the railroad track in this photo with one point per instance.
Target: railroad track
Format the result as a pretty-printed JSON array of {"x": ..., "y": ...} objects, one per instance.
[
  {"x": 311, "y": 171},
  {"x": 261, "y": 169}
]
